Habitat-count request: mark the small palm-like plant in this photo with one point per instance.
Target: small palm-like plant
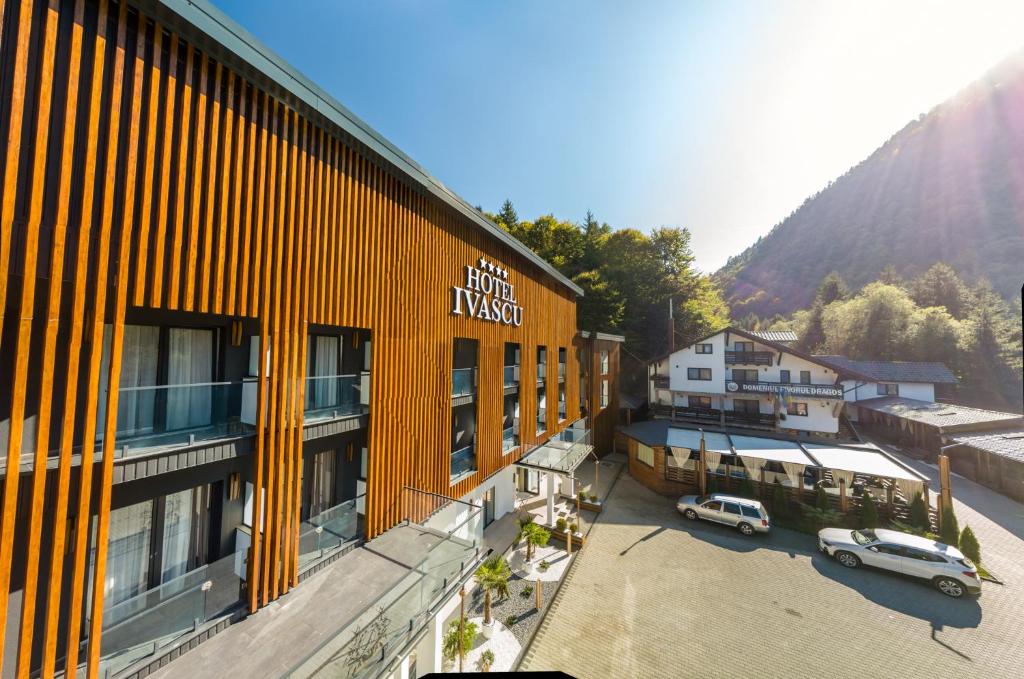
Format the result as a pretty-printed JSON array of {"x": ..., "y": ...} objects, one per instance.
[
  {"x": 451, "y": 648},
  {"x": 532, "y": 534},
  {"x": 493, "y": 576}
]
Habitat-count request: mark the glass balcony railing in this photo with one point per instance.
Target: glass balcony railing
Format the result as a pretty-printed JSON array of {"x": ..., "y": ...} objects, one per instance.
[
  {"x": 510, "y": 438},
  {"x": 332, "y": 396},
  {"x": 510, "y": 378},
  {"x": 368, "y": 643},
  {"x": 172, "y": 415},
  {"x": 561, "y": 371},
  {"x": 463, "y": 382},
  {"x": 541, "y": 372},
  {"x": 463, "y": 461},
  {"x": 561, "y": 410},
  {"x": 140, "y": 626},
  {"x": 321, "y": 534}
]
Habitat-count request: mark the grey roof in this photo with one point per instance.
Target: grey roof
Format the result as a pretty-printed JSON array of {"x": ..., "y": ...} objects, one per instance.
[
  {"x": 777, "y": 335},
  {"x": 942, "y": 415},
  {"x": 630, "y": 401},
  {"x": 218, "y": 34},
  {"x": 895, "y": 371},
  {"x": 1007, "y": 442},
  {"x": 649, "y": 432}
]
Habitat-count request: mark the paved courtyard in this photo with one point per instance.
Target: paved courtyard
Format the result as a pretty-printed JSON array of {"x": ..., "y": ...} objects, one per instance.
[{"x": 654, "y": 595}]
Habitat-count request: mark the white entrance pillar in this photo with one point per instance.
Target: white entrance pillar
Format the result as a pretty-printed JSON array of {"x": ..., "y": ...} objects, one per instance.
[
  {"x": 569, "y": 485},
  {"x": 551, "y": 498}
]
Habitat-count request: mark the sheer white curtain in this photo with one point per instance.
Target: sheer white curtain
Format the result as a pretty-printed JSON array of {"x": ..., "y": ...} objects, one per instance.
[
  {"x": 713, "y": 458},
  {"x": 128, "y": 548},
  {"x": 753, "y": 465},
  {"x": 177, "y": 534},
  {"x": 794, "y": 472},
  {"x": 135, "y": 407},
  {"x": 190, "y": 361},
  {"x": 843, "y": 475},
  {"x": 909, "y": 488},
  {"x": 322, "y": 490},
  {"x": 325, "y": 391}
]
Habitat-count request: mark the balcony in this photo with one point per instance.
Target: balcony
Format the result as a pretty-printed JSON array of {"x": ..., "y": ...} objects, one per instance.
[
  {"x": 542, "y": 420},
  {"x": 541, "y": 372},
  {"x": 561, "y": 372},
  {"x": 510, "y": 437},
  {"x": 332, "y": 528},
  {"x": 756, "y": 419},
  {"x": 510, "y": 376},
  {"x": 174, "y": 415},
  {"x": 438, "y": 545},
  {"x": 463, "y": 381},
  {"x": 139, "y": 627},
  {"x": 463, "y": 462},
  {"x": 749, "y": 357},
  {"x": 335, "y": 396},
  {"x": 561, "y": 411}
]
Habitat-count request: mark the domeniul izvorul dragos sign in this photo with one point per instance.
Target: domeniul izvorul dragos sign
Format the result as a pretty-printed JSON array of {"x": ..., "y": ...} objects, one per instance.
[
  {"x": 487, "y": 295},
  {"x": 806, "y": 390}
]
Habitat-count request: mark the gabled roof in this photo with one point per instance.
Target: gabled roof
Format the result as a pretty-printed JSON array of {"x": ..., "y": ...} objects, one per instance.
[
  {"x": 894, "y": 371},
  {"x": 786, "y": 349},
  {"x": 777, "y": 335}
]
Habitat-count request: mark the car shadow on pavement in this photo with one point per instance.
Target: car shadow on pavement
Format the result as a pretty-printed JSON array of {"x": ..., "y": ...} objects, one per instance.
[{"x": 906, "y": 595}]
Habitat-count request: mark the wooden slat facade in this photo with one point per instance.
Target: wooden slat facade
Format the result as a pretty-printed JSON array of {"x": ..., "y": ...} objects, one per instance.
[{"x": 142, "y": 170}]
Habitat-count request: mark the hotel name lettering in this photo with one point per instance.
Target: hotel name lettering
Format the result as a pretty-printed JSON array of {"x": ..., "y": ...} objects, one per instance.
[
  {"x": 487, "y": 295},
  {"x": 812, "y": 390}
]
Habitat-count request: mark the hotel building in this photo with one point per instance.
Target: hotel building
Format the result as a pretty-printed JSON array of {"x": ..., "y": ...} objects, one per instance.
[{"x": 242, "y": 335}]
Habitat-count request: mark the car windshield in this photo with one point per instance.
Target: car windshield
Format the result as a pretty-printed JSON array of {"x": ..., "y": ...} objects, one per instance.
[
  {"x": 702, "y": 499},
  {"x": 863, "y": 537}
]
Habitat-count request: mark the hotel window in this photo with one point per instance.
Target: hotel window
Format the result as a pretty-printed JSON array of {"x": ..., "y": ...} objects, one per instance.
[
  {"x": 702, "y": 374},
  {"x": 746, "y": 406},
  {"x": 165, "y": 382},
  {"x": 562, "y": 413},
  {"x": 604, "y": 393},
  {"x": 561, "y": 362},
  {"x": 805, "y": 377},
  {"x": 741, "y": 375},
  {"x": 604, "y": 361},
  {"x": 888, "y": 389},
  {"x": 743, "y": 346},
  {"x": 645, "y": 454},
  {"x": 797, "y": 409},
  {"x": 153, "y": 542},
  {"x": 326, "y": 387},
  {"x": 323, "y": 483},
  {"x": 700, "y": 402},
  {"x": 703, "y": 348},
  {"x": 784, "y": 376}
]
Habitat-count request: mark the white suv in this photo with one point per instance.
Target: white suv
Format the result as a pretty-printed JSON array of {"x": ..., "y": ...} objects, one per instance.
[
  {"x": 748, "y": 516},
  {"x": 945, "y": 567}
]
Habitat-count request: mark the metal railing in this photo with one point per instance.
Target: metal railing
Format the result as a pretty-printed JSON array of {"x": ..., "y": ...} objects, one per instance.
[
  {"x": 463, "y": 461},
  {"x": 331, "y": 396},
  {"x": 321, "y": 534},
  {"x": 749, "y": 357},
  {"x": 509, "y": 377}
]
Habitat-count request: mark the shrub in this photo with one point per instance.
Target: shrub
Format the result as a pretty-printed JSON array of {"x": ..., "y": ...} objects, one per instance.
[
  {"x": 819, "y": 518},
  {"x": 593, "y": 498},
  {"x": 780, "y": 503},
  {"x": 950, "y": 530},
  {"x": 582, "y": 496},
  {"x": 713, "y": 485},
  {"x": 510, "y": 620},
  {"x": 527, "y": 591},
  {"x": 821, "y": 498},
  {"x": 561, "y": 524},
  {"x": 573, "y": 527},
  {"x": 543, "y": 566},
  {"x": 450, "y": 647},
  {"x": 868, "y": 511},
  {"x": 919, "y": 513},
  {"x": 969, "y": 545}
]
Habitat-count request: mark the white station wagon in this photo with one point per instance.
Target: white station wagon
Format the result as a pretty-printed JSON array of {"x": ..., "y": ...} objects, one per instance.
[
  {"x": 945, "y": 567},
  {"x": 747, "y": 516}
]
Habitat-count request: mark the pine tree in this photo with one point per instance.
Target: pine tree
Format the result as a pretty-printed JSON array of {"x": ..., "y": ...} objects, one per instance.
[
  {"x": 969, "y": 545},
  {"x": 831, "y": 289},
  {"x": 868, "y": 511},
  {"x": 507, "y": 216},
  {"x": 919, "y": 513},
  {"x": 950, "y": 531},
  {"x": 813, "y": 337},
  {"x": 780, "y": 503},
  {"x": 821, "y": 498}
]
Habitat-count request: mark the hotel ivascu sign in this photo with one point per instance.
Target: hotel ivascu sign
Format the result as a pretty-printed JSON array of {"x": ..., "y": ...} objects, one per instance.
[
  {"x": 812, "y": 390},
  {"x": 487, "y": 295}
]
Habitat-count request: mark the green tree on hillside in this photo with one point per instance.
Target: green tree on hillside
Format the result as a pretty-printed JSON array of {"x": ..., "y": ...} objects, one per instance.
[
  {"x": 832, "y": 289},
  {"x": 940, "y": 286}
]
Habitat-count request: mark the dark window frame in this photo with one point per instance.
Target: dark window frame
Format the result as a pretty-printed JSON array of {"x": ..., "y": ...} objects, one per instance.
[
  {"x": 704, "y": 348},
  {"x": 690, "y": 372}
]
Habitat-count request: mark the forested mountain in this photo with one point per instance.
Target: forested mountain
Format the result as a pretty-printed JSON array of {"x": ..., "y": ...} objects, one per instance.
[{"x": 947, "y": 187}]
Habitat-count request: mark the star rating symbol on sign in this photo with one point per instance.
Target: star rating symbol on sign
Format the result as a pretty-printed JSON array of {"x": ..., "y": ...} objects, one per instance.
[{"x": 483, "y": 263}]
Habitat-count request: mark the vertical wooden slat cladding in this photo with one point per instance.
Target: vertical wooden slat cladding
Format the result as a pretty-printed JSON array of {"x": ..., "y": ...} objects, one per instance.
[{"x": 177, "y": 181}]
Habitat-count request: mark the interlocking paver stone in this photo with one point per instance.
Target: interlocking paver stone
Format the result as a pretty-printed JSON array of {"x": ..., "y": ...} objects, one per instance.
[{"x": 654, "y": 595}]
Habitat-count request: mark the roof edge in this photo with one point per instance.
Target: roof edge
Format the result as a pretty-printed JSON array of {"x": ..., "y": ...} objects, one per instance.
[{"x": 228, "y": 35}]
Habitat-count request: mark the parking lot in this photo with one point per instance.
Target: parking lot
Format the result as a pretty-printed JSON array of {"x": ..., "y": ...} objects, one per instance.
[{"x": 654, "y": 595}]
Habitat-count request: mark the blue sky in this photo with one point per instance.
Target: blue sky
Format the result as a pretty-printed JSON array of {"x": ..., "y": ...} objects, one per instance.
[{"x": 721, "y": 115}]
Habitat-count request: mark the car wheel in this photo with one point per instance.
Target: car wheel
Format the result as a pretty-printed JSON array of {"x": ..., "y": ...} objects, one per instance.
[
  {"x": 847, "y": 559},
  {"x": 690, "y": 514},
  {"x": 949, "y": 587},
  {"x": 746, "y": 528}
]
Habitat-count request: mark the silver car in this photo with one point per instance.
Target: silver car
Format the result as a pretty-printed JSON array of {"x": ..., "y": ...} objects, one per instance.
[
  {"x": 945, "y": 567},
  {"x": 748, "y": 516}
]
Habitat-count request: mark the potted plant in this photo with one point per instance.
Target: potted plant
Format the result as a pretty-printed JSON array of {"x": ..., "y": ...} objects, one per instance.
[
  {"x": 543, "y": 566},
  {"x": 486, "y": 660},
  {"x": 561, "y": 524},
  {"x": 593, "y": 498},
  {"x": 492, "y": 576},
  {"x": 534, "y": 536},
  {"x": 574, "y": 528}
]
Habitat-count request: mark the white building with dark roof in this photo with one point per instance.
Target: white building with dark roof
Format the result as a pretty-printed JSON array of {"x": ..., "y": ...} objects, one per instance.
[{"x": 917, "y": 380}]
